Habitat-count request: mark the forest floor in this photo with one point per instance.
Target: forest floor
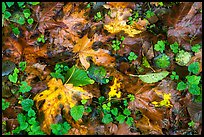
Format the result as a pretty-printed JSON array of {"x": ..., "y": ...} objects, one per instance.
[{"x": 101, "y": 68}]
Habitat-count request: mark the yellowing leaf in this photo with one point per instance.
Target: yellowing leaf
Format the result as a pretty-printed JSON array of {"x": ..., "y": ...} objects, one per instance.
[
  {"x": 114, "y": 89},
  {"x": 99, "y": 57},
  {"x": 165, "y": 102},
  {"x": 57, "y": 98},
  {"x": 117, "y": 26}
]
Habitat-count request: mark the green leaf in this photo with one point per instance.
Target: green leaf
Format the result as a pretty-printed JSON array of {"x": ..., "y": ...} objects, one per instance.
[
  {"x": 24, "y": 87},
  {"x": 191, "y": 124},
  {"x": 149, "y": 14},
  {"x": 126, "y": 111},
  {"x": 162, "y": 61},
  {"x": 57, "y": 75},
  {"x": 32, "y": 121},
  {"x": 120, "y": 118},
  {"x": 132, "y": 97},
  {"x": 194, "y": 89},
  {"x": 56, "y": 129},
  {"x": 26, "y": 13},
  {"x": 174, "y": 47},
  {"x": 153, "y": 77},
  {"x": 21, "y": 119},
  {"x": 101, "y": 99},
  {"x": 24, "y": 126},
  {"x": 125, "y": 103},
  {"x": 21, "y": 21},
  {"x": 194, "y": 67},
  {"x": 132, "y": 56},
  {"x": 114, "y": 111},
  {"x": 83, "y": 101},
  {"x": 31, "y": 112},
  {"x": 5, "y": 104},
  {"x": 16, "y": 31},
  {"x": 88, "y": 110},
  {"x": 7, "y": 14},
  {"x": 60, "y": 129},
  {"x": 14, "y": 77},
  {"x": 9, "y": 4},
  {"x": 30, "y": 21},
  {"x": 79, "y": 77},
  {"x": 145, "y": 62},
  {"x": 98, "y": 74},
  {"x": 193, "y": 79},
  {"x": 16, "y": 131},
  {"x": 196, "y": 48},
  {"x": 77, "y": 112},
  {"x": 3, "y": 7},
  {"x": 160, "y": 46},
  {"x": 20, "y": 4},
  {"x": 181, "y": 86},
  {"x": 33, "y": 3},
  {"x": 107, "y": 118},
  {"x": 27, "y": 104},
  {"x": 22, "y": 65},
  {"x": 129, "y": 121}
]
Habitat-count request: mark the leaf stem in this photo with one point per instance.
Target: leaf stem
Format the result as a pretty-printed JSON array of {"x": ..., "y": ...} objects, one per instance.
[{"x": 71, "y": 75}]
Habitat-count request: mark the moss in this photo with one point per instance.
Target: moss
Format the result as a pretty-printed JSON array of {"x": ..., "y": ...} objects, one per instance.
[{"x": 162, "y": 61}]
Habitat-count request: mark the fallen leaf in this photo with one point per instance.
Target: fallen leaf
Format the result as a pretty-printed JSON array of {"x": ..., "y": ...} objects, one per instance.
[
  {"x": 58, "y": 97},
  {"x": 187, "y": 26},
  {"x": 146, "y": 127},
  {"x": 118, "y": 26},
  {"x": 99, "y": 57},
  {"x": 153, "y": 77},
  {"x": 45, "y": 17}
]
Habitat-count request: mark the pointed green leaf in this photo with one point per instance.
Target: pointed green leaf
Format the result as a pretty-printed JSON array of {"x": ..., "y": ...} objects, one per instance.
[
  {"x": 77, "y": 112},
  {"x": 9, "y": 4},
  {"x": 153, "y": 77},
  {"x": 79, "y": 77}
]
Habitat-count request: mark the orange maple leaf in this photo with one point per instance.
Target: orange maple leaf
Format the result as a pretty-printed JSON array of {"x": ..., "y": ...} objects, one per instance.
[{"x": 99, "y": 57}]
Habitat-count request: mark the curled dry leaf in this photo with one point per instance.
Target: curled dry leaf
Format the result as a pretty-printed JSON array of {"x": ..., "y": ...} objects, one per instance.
[
  {"x": 58, "y": 97},
  {"x": 99, "y": 57}
]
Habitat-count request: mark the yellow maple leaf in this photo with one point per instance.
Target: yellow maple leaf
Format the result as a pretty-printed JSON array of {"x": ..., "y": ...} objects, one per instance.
[
  {"x": 57, "y": 98},
  {"x": 99, "y": 57},
  {"x": 114, "y": 89},
  {"x": 120, "y": 16},
  {"x": 165, "y": 102},
  {"x": 117, "y": 26}
]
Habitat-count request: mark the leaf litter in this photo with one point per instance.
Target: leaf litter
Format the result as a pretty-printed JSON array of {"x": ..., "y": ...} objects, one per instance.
[{"x": 73, "y": 37}]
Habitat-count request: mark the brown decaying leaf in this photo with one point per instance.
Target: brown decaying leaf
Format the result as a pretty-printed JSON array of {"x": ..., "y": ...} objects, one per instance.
[
  {"x": 45, "y": 17},
  {"x": 75, "y": 21},
  {"x": 14, "y": 48},
  {"x": 99, "y": 57},
  {"x": 32, "y": 53},
  {"x": 147, "y": 127},
  {"x": 187, "y": 26},
  {"x": 57, "y": 98}
]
